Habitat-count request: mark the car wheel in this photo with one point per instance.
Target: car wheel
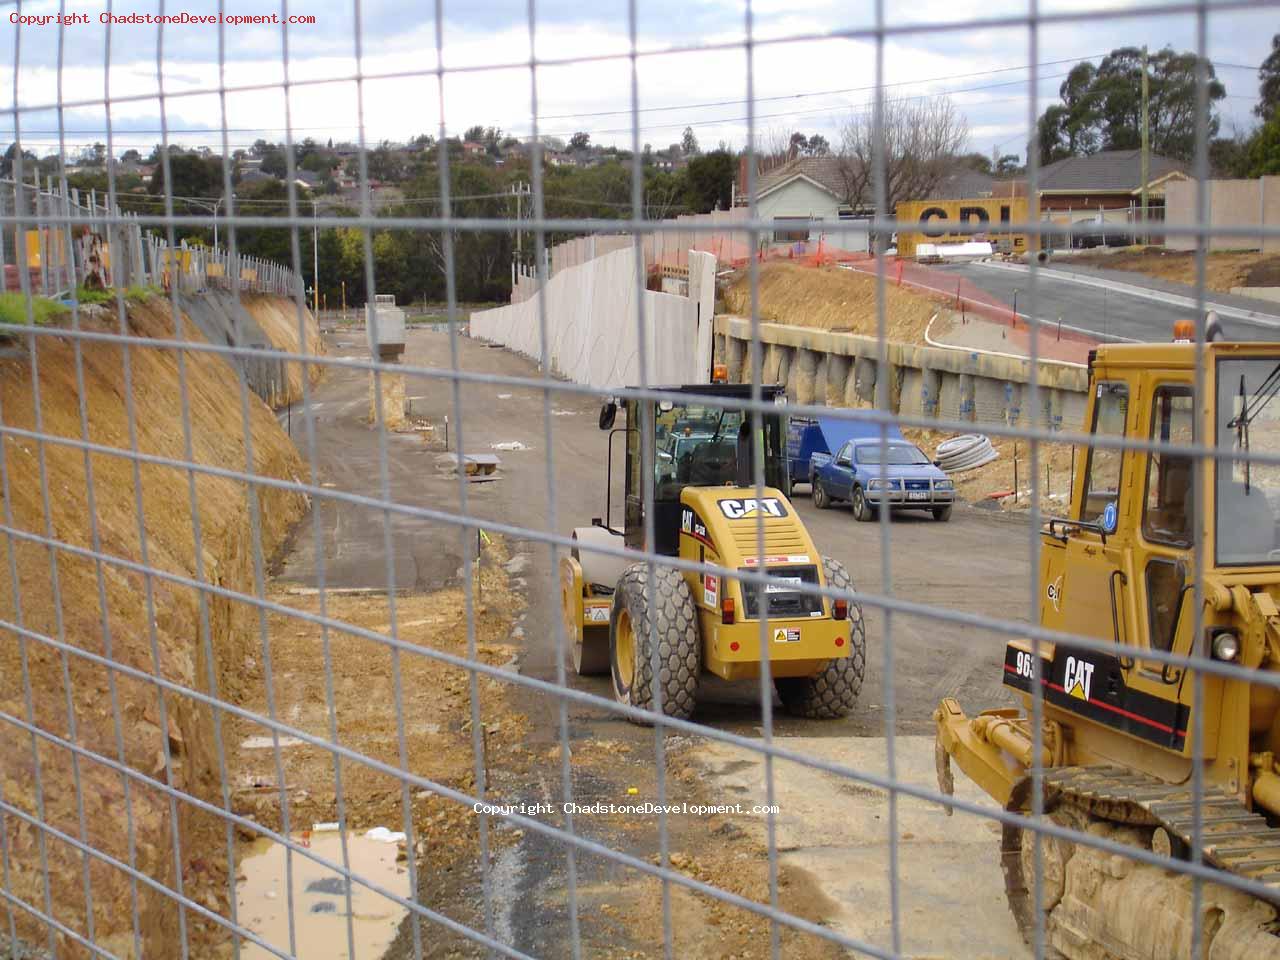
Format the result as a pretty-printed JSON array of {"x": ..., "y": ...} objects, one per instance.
[
  {"x": 820, "y": 498},
  {"x": 942, "y": 514},
  {"x": 861, "y": 508}
]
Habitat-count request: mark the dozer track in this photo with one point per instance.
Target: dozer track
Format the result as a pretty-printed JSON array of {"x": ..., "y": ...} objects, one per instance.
[{"x": 1105, "y": 906}]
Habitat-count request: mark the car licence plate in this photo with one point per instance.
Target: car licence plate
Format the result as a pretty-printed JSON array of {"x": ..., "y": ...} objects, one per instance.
[{"x": 917, "y": 494}]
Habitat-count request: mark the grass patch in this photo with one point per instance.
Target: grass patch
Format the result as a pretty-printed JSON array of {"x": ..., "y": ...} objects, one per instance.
[
  {"x": 86, "y": 296},
  {"x": 45, "y": 312},
  {"x": 139, "y": 293}
]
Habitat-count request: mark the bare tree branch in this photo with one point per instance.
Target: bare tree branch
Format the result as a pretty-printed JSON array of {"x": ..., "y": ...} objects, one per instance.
[{"x": 920, "y": 140}]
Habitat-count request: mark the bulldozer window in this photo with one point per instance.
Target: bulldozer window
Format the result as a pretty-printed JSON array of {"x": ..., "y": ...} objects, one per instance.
[
  {"x": 1167, "y": 515},
  {"x": 1102, "y": 477},
  {"x": 698, "y": 444},
  {"x": 1247, "y": 493},
  {"x": 1165, "y": 581}
]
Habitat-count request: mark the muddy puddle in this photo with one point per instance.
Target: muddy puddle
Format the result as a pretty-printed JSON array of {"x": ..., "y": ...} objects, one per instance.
[{"x": 320, "y": 917}]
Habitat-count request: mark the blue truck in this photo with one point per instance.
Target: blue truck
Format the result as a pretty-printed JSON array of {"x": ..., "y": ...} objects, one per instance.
[{"x": 908, "y": 480}]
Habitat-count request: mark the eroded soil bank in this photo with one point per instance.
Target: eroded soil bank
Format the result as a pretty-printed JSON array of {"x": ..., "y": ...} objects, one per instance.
[{"x": 134, "y": 538}]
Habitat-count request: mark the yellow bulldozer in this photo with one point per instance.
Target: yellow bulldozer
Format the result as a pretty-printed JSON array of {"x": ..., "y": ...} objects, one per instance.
[
  {"x": 1118, "y": 728},
  {"x": 699, "y": 459}
]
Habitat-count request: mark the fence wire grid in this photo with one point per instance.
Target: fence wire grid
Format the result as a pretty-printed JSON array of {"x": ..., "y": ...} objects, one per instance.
[{"x": 250, "y": 617}]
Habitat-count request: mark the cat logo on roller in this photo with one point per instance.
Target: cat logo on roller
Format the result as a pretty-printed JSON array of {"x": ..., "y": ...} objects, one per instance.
[
  {"x": 747, "y": 507},
  {"x": 1077, "y": 678}
]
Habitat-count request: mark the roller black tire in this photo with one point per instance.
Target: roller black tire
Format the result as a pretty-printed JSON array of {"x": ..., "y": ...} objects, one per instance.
[
  {"x": 833, "y": 691},
  {"x": 820, "y": 498},
  {"x": 679, "y": 648},
  {"x": 862, "y": 509},
  {"x": 942, "y": 514}
]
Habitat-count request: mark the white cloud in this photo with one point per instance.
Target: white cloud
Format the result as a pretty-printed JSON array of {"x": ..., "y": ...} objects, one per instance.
[{"x": 593, "y": 96}]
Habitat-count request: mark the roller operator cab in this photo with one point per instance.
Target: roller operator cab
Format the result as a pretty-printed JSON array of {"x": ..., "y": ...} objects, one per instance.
[
  {"x": 1118, "y": 732},
  {"x": 693, "y": 461}
]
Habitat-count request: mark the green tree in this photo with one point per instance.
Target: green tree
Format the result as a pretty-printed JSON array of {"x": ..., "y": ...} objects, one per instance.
[
  {"x": 1101, "y": 107},
  {"x": 192, "y": 176},
  {"x": 8, "y": 167},
  {"x": 1264, "y": 150},
  {"x": 274, "y": 162},
  {"x": 975, "y": 161},
  {"x": 1009, "y": 165},
  {"x": 1229, "y": 156},
  {"x": 689, "y": 143},
  {"x": 710, "y": 181},
  {"x": 1070, "y": 128},
  {"x": 580, "y": 141},
  {"x": 1269, "y": 83}
]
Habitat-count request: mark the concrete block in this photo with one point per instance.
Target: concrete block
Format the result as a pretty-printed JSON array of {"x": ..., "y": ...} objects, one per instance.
[
  {"x": 930, "y": 392},
  {"x": 735, "y": 360},
  {"x": 864, "y": 375},
  {"x": 805, "y": 365},
  {"x": 838, "y": 368},
  {"x": 1012, "y": 403},
  {"x": 772, "y": 361},
  {"x": 896, "y": 375},
  {"x": 968, "y": 407},
  {"x": 786, "y": 357},
  {"x": 386, "y": 389}
]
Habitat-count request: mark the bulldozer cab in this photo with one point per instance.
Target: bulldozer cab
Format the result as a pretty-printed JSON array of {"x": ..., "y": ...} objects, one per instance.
[
  {"x": 1120, "y": 567},
  {"x": 694, "y": 441}
]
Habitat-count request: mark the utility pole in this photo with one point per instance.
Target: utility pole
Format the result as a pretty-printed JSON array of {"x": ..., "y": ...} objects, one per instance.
[
  {"x": 1146, "y": 147},
  {"x": 518, "y": 189},
  {"x": 315, "y": 261}
]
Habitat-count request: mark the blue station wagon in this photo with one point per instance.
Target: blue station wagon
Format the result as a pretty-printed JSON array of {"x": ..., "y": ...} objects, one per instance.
[{"x": 909, "y": 480}]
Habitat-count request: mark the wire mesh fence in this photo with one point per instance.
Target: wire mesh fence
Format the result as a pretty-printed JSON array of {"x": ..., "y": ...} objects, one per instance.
[{"x": 373, "y": 645}]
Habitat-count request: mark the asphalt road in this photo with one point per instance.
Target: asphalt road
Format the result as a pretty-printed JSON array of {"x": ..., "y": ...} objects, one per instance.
[{"x": 1108, "y": 313}]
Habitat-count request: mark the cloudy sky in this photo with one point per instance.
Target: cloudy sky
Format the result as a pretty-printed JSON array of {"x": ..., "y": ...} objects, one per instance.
[{"x": 803, "y": 78}]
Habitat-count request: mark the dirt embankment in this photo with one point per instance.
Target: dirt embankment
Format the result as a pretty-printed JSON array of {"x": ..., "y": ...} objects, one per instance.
[
  {"x": 1223, "y": 270},
  {"x": 146, "y": 623},
  {"x": 831, "y": 299}
]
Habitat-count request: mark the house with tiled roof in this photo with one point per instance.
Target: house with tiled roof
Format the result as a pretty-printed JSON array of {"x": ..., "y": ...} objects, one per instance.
[
  {"x": 800, "y": 189},
  {"x": 1107, "y": 179}
]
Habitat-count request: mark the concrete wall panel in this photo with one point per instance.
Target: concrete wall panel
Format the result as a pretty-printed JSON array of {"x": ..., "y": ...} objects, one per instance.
[
  {"x": 592, "y": 318},
  {"x": 1232, "y": 203}
]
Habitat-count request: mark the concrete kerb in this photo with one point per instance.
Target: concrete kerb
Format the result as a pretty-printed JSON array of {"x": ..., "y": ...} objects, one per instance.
[{"x": 929, "y": 381}]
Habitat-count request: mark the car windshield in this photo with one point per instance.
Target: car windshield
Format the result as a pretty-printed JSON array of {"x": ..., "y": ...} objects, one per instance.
[
  {"x": 900, "y": 454},
  {"x": 1248, "y": 492}
]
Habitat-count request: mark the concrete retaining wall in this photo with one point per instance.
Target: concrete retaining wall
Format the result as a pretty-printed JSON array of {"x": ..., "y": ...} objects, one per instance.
[
  {"x": 224, "y": 320},
  {"x": 841, "y": 369},
  {"x": 592, "y": 321}
]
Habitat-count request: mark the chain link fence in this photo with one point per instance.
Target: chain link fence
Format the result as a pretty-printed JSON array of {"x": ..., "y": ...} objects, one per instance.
[{"x": 300, "y": 683}]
